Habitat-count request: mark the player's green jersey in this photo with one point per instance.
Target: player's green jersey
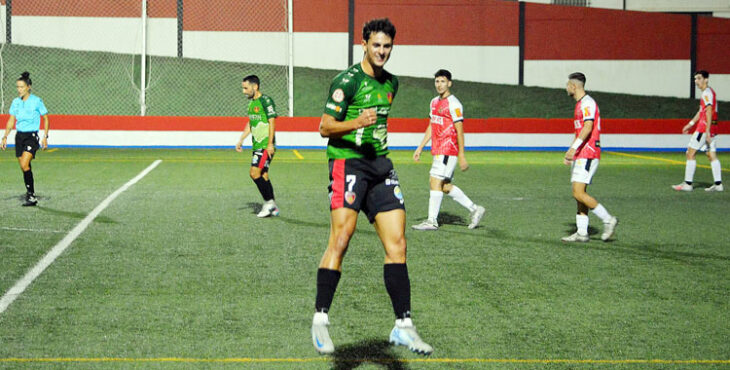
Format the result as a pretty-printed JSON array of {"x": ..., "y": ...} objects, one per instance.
[
  {"x": 259, "y": 112},
  {"x": 351, "y": 92}
]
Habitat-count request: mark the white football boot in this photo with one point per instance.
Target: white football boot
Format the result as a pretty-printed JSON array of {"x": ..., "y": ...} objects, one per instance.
[
  {"x": 320, "y": 334},
  {"x": 404, "y": 334},
  {"x": 426, "y": 225},
  {"x": 609, "y": 228},
  {"x": 576, "y": 238},
  {"x": 476, "y": 216},
  {"x": 268, "y": 209},
  {"x": 682, "y": 187},
  {"x": 715, "y": 188}
]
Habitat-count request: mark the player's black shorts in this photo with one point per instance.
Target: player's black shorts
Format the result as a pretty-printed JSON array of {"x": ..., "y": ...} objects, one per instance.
[
  {"x": 370, "y": 185},
  {"x": 261, "y": 159},
  {"x": 26, "y": 142}
]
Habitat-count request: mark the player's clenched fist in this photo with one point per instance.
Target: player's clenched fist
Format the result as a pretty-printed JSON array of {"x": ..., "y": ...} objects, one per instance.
[{"x": 368, "y": 117}]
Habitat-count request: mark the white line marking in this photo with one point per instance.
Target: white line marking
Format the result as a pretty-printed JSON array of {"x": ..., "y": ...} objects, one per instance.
[
  {"x": 56, "y": 251},
  {"x": 32, "y": 230}
]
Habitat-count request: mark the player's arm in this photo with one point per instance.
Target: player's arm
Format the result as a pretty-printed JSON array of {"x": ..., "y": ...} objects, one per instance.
[
  {"x": 272, "y": 130},
  {"x": 332, "y": 128},
  {"x": 424, "y": 141},
  {"x": 246, "y": 132},
  {"x": 459, "y": 126},
  {"x": 582, "y": 135},
  {"x": 692, "y": 122},
  {"x": 8, "y": 127},
  {"x": 46, "y": 126}
]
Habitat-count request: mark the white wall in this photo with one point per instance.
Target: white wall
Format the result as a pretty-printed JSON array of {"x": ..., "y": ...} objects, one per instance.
[
  {"x": 493, "y": 64},
  {"x": 639, "y": 77},
  {"x": 678, "y": 5},
  {"x": 721, "y": 85},
  {"x": 119, "y": 35},
  {"x": 323, "y": 50}
]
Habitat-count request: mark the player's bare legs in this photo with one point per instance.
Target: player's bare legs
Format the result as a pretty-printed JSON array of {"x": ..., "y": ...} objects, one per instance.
[
  {"x": 342, "y": 226},
  {"x": 390, "y": 227}
]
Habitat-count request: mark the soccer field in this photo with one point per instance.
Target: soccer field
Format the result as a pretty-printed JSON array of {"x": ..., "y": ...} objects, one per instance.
[{"x": 178, "y": 272}]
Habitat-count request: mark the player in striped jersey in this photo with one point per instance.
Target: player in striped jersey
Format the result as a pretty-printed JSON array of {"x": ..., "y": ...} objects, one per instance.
[
  {"x": 705, "y": 136},
  {"x": 584, "y": 155}
]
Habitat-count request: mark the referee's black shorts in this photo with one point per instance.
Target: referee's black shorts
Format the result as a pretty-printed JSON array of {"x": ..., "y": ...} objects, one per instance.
[{"x": 26, "y": 142}]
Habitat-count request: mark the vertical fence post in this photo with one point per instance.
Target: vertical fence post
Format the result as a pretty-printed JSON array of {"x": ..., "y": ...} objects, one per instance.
[
  {"x": 692, "y": 55},
  {"x": 521, "y": 41},
  {"x": 290, "y": 82},
  {"x": 350, "y": 31},
  {"x": 143, "y": 63},
  {"x": 179, "y": 28}
]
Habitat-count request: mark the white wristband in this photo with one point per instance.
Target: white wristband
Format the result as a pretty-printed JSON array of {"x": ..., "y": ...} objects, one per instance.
[
  {"x": 691, "y": 123},
  {"x": 577, "y": 143}
]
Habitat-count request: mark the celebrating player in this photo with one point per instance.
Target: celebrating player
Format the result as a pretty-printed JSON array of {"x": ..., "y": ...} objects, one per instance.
[
  {"x": 704, "y": 138},
  {"x": 261, "y": 116},
  {"x": 584, "y": 155},
  {"x": 446, "y": 132},
  {"x": 362, "y": 178},
  {"x": 27, "y": 109}
]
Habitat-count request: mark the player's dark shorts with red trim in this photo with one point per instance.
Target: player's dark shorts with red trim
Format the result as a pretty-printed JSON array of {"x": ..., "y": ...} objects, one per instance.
[
  {"x": 26, "y": 142},
  {"x": 261, "y": 159},
  {"x": 370, "y": 185}
]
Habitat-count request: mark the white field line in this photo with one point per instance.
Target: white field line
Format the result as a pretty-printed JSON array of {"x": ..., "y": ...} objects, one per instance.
[
  {"x": 56, "y": 251},
  {"x": 31, "y": 230}
]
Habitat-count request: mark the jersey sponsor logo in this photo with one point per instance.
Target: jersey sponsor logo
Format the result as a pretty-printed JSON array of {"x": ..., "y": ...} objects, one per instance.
[
  {"x": 350, "y": 197},
  {"x": 438, "y": 120},
  {"x": 338, "y": 96},
  {"x": 398, "y": 194},
  {"x": 577, "y": 124},
  {"x": 271, "y": 109},
  {"x": 333, "y": 107}
]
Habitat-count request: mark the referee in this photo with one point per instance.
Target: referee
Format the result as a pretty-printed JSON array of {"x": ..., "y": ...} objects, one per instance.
[{"x": 27, "y": 109}]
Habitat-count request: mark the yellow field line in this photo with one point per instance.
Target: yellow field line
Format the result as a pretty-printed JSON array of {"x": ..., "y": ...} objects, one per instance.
[
  {"x": 296, "y": 153},
  {"x": 52, "y": 150},
  {"x": 325, "y": 359},
  {"x": 660, "y": 159}
]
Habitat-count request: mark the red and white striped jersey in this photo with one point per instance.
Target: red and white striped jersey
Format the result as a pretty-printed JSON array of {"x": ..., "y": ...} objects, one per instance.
[
  {"x": 444, "y": 113},
  {"x": 586, "y": 109},
  {"x": 708, "y": 99}
]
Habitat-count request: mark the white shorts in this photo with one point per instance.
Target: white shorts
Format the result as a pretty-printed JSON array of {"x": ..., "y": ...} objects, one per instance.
[
  {"x": 443, "y": 167},
  {"x": 697, "y": 142},
  {"x": 583, "y": 170}
]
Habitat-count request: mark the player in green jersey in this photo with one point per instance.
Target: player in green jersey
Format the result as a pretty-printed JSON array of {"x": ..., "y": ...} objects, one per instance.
[
  {"x": 362, "y": 178},
  {"x": 261, "y": 116}
]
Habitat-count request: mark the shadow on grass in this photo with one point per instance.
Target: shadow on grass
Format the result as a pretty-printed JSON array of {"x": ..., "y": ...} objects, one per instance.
[
  {"x": 77, "y": 215},
  {"x": 446, "y": 218},
  {"x": 377, "y": 352}
]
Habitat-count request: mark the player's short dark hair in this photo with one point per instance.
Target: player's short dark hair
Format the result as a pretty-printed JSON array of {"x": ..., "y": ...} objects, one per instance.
[
  {"x": 252, "y": 79},
  {"x": 443, "y": 73},
  {"x": 25, "y": 77},
  {"x": 378, "y": 25},
  {"x": 578, "y": 76},
  {"x": 703, "y": 73}
]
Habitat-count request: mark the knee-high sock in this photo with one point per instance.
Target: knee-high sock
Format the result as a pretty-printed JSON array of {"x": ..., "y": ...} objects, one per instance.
[
  {"x": 716, "y": 171},
  {"x": 461, "y": 198},
  {"x": 434, "y": 204},
  {"x": 28, "y": 179},
  {"x": 689, "y": 170},
  {"x": 399, "y": 288},
  {"x": 581, "y": 221},
  {"x": 269, "y": 190},
  {"x": 261, "y": 185},
  {"x": 326, "y": 285},
  {"x": 602, "y": 213}
]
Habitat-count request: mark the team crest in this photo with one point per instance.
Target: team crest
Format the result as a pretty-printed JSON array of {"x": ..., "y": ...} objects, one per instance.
[
  {"x": 390, "y": 98},
  {"x": 256, "y": 109},
  {"x": 398, "y": 194},
  {"x": 350, "y": 197},
  {"x": 338, "y": 95}
]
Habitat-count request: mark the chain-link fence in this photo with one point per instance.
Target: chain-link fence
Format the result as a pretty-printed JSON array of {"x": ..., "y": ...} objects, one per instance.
[{"x": 85, "y": 56}]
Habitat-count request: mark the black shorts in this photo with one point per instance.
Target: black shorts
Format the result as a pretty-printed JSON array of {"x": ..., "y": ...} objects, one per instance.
[
  {"x": 261, "y": 159},
  {"x": 26, "y": 142},
  {"x": 370, "y": 185}
]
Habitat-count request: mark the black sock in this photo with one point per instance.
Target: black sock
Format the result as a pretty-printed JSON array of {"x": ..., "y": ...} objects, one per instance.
[
  {"x": 326, "y": 285},
  {"x": 261, "y": 184},
  {"x": 269, "y": 190},
  {"x": 28, "y": 178},
  {"x": 399, "y": 288},
  {"x": 718, "y": 182},
  {"x": 688, "y": 182}
]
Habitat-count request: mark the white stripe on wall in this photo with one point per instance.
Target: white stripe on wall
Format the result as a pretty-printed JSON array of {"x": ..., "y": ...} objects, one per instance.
[{"x": 639, "y": 77}]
